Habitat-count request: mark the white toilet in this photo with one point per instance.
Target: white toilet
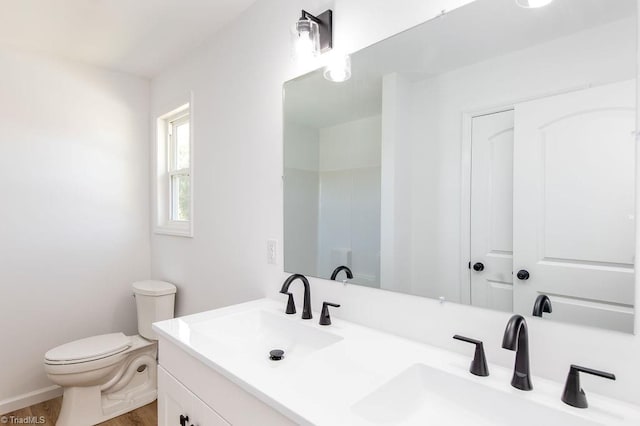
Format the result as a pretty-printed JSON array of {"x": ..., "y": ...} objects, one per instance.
[{"x": 111, "y": 374}]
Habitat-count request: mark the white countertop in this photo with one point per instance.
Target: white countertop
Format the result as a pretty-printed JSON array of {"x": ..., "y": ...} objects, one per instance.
[{"x": 321, "y": 387}]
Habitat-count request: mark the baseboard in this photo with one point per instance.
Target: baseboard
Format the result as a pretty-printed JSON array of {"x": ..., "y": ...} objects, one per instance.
[{"x": 28, "y": 399}]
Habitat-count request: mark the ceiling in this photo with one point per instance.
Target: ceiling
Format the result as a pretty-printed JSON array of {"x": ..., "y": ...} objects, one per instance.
[{"x": 140, "y": 37}]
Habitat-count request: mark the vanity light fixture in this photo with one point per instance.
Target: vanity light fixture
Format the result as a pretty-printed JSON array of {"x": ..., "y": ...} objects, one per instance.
[
  {"x": 338, "y": 68},
  {"x": 532, "y": 4},
  {"x": 313, "y": 35}
]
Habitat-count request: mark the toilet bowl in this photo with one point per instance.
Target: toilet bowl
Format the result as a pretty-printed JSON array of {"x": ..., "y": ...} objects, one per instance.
[{"x": 108, "y": 375}]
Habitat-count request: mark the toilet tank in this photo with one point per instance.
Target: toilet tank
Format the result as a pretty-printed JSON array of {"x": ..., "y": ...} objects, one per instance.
[{"x": 154, "y": 302}]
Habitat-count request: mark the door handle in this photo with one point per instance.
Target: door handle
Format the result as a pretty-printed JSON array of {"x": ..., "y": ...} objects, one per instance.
[
  {"x": 478, "y": 267},
  {"x": 523, "y": 275}
]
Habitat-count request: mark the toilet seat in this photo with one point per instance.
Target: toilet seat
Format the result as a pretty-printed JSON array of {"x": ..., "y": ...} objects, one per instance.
[
  {"x": 92, "y": 363},
  {"x": 90, "y": 349}
]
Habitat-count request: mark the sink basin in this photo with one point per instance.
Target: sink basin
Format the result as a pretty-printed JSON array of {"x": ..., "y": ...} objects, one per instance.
[
  {"x": 254, "y": 333},
  {"x": 423, "y": 395}
]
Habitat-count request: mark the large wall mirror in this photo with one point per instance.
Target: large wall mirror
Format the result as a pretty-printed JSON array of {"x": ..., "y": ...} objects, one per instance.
[{"x": 485, "y": 157}]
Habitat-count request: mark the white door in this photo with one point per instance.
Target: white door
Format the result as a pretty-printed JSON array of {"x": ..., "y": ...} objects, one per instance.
[
  {"x": 574, "y": 228},
  {"x": 492, "y": 211}
]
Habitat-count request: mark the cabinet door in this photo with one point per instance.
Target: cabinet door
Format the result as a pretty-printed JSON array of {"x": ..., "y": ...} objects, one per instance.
[
  {"x": 205, "y": 415},
  {"x": 174, "y": 401}
]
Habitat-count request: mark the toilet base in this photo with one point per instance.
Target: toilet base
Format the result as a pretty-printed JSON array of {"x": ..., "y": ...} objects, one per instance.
[{"x": 82, "y": 406}]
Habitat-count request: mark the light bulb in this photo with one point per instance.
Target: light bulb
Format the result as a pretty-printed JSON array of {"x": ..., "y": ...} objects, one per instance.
[
  {"x": 306, "y": 39},
  {"x": 339, "y": 68},
  {"x": 532, "y": 4},
  {"x": 337, "y": 75},
  {"x": 304, "y": 46}
]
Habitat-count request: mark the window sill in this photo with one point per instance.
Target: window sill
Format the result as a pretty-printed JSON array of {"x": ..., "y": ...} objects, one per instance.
[{"x": 178, "y": 230}]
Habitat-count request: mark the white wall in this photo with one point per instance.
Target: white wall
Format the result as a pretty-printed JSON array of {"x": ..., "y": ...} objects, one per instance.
[
  {"x": 237, "y": 86},
  {"x": 74, "y": 223},
  {"x": 349, "y": 208},
  {"x": 237, "y": 83},
  {"x": 395, "y": 234},
  {"x": 351, "y": 145},
  {"x": 301, "y": 197},
  {"x": 332, "y": 198}
]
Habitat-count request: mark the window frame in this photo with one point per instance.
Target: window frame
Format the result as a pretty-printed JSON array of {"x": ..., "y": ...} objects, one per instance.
[{"x": 166, "y": 155}]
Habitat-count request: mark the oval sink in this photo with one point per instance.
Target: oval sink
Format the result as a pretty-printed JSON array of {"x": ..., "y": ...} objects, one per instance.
[
  {"x": 254, "y": 334},
  {"x": 423, "y": 395}
]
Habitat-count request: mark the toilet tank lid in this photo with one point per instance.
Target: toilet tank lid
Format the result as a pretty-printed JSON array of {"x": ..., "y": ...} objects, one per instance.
[
  {"x": 89, "y": 348},
  {"x": 153, "y": 288}
]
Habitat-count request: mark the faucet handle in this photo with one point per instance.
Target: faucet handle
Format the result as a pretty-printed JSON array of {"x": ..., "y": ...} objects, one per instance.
[
  {"x": 573, "y": 393},
  {"x": 479, "y": 363},
  {"x": 325, "y": 319},
  {"x": 291, "y": 304}
]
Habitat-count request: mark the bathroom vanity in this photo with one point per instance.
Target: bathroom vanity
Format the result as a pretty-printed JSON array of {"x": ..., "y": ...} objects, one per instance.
[{"x": 215, "y": 369}]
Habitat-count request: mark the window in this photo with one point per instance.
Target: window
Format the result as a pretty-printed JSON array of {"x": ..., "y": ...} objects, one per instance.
[
  {"x": 178, "y": 170},
  {"x": 174, "y": 177}
]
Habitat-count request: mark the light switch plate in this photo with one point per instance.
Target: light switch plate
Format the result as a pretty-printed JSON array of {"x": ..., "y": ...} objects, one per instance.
[{"x": 272, "y": 252}]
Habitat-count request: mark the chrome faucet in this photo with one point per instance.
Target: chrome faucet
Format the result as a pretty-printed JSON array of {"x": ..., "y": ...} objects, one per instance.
[
  {"x": 346, "y": 270},
  {"x": 306, "y": 309},
  {"x": 516, "y": 338}
]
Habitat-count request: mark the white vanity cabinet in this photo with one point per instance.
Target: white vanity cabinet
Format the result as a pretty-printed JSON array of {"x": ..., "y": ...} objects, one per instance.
[
  {"x": 176, "y": 402},
  {"x": 337, "y": 376},
  {"x": 188, "y": 387}
]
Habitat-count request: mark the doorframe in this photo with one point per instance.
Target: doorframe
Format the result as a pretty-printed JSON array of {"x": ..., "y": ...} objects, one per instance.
[
  {"x": 465, "y": 194},
  {"x": 465, "y": 174}
]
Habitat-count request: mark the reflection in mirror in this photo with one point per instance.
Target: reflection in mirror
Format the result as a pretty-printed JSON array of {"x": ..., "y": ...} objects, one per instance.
[{"x": 485, "y": 157}]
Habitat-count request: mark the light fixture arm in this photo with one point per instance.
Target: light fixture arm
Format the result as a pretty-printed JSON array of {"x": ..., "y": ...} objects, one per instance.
[{"x": 307, "y": 15}]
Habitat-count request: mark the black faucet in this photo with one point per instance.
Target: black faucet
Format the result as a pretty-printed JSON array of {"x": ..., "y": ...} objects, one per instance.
[
  {"x": 336, "y": 271},
  {"x": 516, "y": 338},
  {"x": 306, "y": 309},
  {"x": 542, "y": 304}
]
